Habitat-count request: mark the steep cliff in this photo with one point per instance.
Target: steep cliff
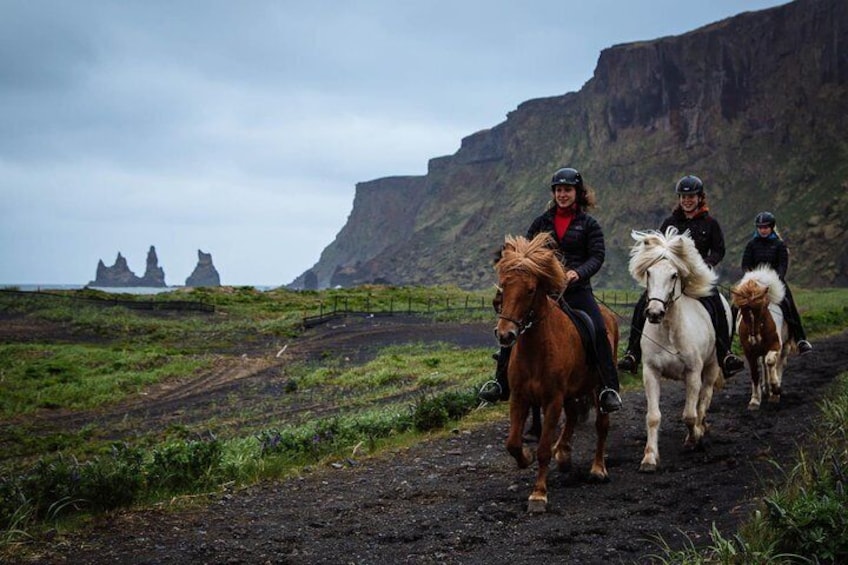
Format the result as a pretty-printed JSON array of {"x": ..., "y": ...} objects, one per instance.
[{"x": 756, "y": 105}]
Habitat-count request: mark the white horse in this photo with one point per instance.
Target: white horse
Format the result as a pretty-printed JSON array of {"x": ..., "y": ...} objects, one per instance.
[
  {"x": 679, "y": 342},
  {"x": 763, "y": 332}
]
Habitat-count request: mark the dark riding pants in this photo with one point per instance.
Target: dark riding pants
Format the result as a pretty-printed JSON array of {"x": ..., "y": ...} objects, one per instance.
[{"x": 583, "y": 299}]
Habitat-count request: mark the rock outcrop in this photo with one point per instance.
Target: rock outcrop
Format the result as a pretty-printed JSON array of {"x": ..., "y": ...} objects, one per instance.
[
  {"x": 120, "y": 275},
  {"x": 755, "y": 105},
  {"x": 204, "y": 273},
  {"x": 154, "y": 275}
]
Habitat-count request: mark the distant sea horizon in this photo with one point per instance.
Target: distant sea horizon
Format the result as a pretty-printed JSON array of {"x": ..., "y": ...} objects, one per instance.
[{"x": 29, "y": 287}]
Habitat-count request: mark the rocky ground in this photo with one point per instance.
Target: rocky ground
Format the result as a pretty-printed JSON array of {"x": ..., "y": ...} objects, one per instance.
[{"x": 459, "y": 498}]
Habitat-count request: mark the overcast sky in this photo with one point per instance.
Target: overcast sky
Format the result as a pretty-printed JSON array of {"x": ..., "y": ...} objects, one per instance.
[{"x": 241, "y": 128}]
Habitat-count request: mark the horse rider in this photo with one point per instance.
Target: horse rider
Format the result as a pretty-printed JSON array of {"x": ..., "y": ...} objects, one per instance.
[
  {"x": 768, "y": 248},
  {"x": 691, "y": 213},
  {"x": 580, "y": 244}
]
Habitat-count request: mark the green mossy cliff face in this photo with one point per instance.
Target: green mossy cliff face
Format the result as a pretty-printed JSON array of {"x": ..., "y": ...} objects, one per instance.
[{"x": 756, "y": 105}]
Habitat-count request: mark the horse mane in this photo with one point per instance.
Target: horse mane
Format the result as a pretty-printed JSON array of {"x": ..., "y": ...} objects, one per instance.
[
  {"x": 535, "y": 257},
  {"x": 754, "y": 281},
  {"x": 697, "y": 277}
]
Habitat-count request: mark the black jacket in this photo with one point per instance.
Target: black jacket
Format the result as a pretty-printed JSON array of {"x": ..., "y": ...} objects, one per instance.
[
  {"x": 704, "y": 230},
  {"x": 769, "y": 251},
  {"x": 582, "y": 246}
]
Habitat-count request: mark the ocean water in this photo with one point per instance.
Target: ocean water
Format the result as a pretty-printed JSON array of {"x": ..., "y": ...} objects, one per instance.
[{"x": 111, "y": 290}]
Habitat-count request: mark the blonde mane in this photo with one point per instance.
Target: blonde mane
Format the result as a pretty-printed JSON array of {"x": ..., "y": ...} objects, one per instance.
[
  {"x": 535, "y": 257},
  {"x": 754, "y": 281},
  {"x": 651, "y": 246}
]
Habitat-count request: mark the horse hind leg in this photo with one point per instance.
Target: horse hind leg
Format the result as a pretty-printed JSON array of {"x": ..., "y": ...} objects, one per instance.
[
  {"x": 599, "y": 472},
  {"x": 564, "y": 445}
]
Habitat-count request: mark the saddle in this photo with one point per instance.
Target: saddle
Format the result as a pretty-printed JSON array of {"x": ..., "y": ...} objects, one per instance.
[{"x": 585, "y": 328}]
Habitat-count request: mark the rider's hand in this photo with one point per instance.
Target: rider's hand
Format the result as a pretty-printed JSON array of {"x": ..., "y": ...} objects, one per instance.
[{"x": 570, "y": 277}]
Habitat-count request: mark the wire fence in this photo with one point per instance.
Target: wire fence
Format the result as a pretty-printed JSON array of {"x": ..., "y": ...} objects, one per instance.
[{"x": 342, "y": 306}]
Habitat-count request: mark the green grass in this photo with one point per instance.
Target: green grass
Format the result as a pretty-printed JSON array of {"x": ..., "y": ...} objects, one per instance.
[
  {"x": 81, "y": 377},
  {"x": 110, "y": 353}
]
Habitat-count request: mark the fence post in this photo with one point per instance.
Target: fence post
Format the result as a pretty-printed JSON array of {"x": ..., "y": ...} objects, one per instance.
[
  {"x": 409, "y": 304},
  {"x": 392, "y": 305}
]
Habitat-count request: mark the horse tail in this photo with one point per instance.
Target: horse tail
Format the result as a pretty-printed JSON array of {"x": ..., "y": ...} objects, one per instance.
[{"x": 583, "y": 405}]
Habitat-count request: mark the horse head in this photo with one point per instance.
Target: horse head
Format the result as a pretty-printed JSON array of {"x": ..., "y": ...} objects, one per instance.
[
  {"x": 668, "y": 265},
  {"x": 750, "y": 294},
  {"x": 528, "y": 270}
]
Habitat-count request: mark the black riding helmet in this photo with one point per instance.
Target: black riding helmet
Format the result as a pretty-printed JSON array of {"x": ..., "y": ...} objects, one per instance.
[
  {"x": 690, "y": 184},
  {"x": 568, "y": 176},
  {"x": 765, "y": 219}
]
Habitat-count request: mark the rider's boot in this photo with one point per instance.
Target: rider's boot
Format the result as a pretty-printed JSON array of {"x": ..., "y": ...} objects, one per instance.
[
  {"x": 630, "y": 361},
  {"x": 608, "y": 399},
  {"x": 498, "y": 388}
]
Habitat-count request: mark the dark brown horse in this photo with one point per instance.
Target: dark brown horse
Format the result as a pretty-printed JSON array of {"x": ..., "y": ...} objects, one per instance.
[{"x": 548, "y": 367}]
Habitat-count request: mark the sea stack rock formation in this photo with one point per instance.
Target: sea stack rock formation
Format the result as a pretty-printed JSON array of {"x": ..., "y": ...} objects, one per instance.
[
  {"x": 120, "y": 275},
  {"x": 154, "y": 275},
  {"x": 204, "y": 273}
]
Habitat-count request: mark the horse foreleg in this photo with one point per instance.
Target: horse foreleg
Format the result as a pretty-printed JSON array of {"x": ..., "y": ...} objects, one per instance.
[
  {"x": 772, "y": 360},
  {"x": 538, "y": 500},
  {"x": 651, "y": 459},
  {"x": 692, "y": 378},
  {"x": 518, "y": 411},
  {"x": 754, "y": 369}
]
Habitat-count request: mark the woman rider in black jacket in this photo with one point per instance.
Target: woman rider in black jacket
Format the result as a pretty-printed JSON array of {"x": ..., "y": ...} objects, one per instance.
[
  {"x": 767, "y": 248},
  {"x": 691, "y": 213},
  {"x": 580, "y": 242}
]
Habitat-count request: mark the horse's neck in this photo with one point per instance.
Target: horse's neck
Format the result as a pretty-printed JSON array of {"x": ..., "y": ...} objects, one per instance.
[{"x": 680, "y": 315}]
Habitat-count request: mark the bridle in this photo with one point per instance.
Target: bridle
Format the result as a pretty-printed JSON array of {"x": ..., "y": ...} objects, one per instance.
[
  {"x": 527, "y": 320},
  {"x": 671, "y": 298}
]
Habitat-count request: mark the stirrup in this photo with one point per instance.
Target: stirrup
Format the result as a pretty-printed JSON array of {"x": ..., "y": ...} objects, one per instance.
[
  {"x": 628, "y": 363},
  {"x": 490, "y": 392},
  {"x": 731, "y": 364},
  {"x": 609, "y": 405}
]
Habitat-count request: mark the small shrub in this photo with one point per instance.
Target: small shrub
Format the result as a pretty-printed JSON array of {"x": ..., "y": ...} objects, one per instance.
[{"x": 184, "y": 465}]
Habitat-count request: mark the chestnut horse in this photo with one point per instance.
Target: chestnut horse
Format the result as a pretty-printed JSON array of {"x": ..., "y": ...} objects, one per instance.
[
  {"x": 548, "y": 367},
  {"x": 763, "y": 332}
]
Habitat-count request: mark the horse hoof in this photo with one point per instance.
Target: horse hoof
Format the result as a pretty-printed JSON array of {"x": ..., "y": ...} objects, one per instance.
[
  {"x": 648, "y": 468},
  {"x": 598, "y": 478},
  {"x": 753, "y": 406},
  {"x": 537, "y": 505},
  {"x": 774, "y": 399}
]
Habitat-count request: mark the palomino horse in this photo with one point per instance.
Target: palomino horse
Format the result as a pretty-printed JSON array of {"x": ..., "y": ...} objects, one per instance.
[
  {"x": 763, "y": 332},
  {"x": 679, "y": 341},
  {"x": 548, "y": 366}
]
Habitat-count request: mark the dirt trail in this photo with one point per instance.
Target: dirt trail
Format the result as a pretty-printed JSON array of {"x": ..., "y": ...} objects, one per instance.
[{"x": 459, "y": 498}]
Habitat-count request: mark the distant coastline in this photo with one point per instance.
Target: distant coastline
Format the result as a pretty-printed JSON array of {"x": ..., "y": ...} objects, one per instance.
[{"x": 111, "y": 290}]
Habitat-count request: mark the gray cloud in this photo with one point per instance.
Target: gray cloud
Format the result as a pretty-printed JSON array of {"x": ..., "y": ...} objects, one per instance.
[{"x": 242, "y": 128}]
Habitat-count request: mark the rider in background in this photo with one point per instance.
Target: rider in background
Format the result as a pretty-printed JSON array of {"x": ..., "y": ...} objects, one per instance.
[
  {"x": 580, "y": 244},
  {"x": 691, "y": 213},
  {"x": 767, "y": 248}
]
